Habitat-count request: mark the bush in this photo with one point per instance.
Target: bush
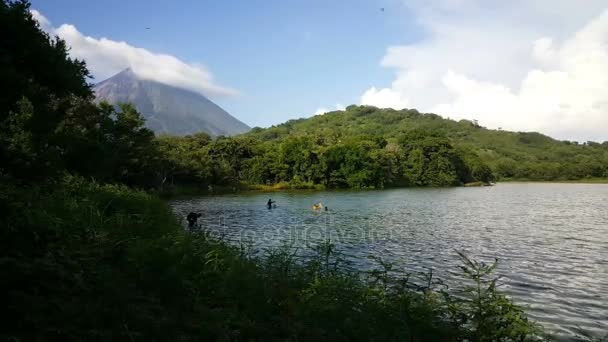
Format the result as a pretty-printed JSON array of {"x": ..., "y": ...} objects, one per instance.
[{"x": 88, "y": 261}]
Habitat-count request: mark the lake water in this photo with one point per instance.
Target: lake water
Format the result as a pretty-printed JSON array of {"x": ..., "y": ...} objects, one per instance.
[{"x": 551, "y": 239}]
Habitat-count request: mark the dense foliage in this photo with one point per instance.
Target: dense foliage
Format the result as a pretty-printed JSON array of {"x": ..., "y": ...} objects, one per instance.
[
  {"x": 368, "y": 147},
  {"x": 517, "y": 155},
  {"x": 48, "y": 122},
  {"x": 327, "y": 158},
  {"x": 84, "y": 261}
]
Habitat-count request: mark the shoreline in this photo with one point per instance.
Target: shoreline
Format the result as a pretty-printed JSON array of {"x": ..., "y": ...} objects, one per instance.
[
  {"x": 562, "y": 181},
  {"x": 187, "y": 191}
]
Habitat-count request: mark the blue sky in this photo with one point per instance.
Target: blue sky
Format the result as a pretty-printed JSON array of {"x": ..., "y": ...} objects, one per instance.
[
  {"x": 286, "y": 58},
  {"x": 522, "y": 65}
]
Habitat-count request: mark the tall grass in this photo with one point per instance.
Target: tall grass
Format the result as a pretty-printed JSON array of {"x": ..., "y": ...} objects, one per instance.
[{"x": 83, "y": 261}]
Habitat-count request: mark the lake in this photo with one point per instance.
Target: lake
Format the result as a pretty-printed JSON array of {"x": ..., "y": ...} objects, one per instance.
[{"x": 551, "y": 239}]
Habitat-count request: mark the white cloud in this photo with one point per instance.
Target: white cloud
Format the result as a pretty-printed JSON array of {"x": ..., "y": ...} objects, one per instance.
[
  {"x": 323, "y": 110},
  {"x": 44, "y": 23},
  {"x": 522, "y": 65},
  {"x": 384, "y": 98},
  {"x": 106, "y": 57}
]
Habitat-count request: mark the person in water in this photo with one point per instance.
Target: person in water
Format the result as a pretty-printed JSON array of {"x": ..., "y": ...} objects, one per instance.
[
  {"x": 270, "y": 203},
  {"x": 192, "y": 219}
]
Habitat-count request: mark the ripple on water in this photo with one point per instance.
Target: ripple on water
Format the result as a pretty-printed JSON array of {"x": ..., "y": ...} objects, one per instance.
[{"x": 551, "y": 239}]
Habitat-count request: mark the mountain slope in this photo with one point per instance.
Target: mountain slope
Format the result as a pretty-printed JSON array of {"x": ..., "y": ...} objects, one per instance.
[
  {"x": 168, "y": 109},
  {"x": 520, "y": 155}
]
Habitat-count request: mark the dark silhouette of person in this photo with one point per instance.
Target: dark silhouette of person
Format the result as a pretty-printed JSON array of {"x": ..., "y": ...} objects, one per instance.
[
  {"x": 192, "y": 218},
  {"x": 269, "y": 203}
]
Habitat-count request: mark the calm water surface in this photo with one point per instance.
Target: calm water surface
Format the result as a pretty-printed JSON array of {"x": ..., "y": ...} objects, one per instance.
[{"x": 551, "y": 239}]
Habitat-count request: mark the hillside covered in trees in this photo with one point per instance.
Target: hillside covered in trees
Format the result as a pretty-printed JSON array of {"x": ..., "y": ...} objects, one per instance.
[
  {"x": 368, "y": 147},
  {"x": 519, "y": 155}
]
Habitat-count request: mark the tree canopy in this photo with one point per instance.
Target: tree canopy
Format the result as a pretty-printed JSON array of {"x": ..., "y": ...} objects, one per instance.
[{"x": 368, "y": 147}]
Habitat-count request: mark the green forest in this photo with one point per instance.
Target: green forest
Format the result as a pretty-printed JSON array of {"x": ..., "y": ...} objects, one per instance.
[
  {"x": 367, "y": 147},
  {"x": 404, "y": 136},
  {"x": 88, "y": 251}
]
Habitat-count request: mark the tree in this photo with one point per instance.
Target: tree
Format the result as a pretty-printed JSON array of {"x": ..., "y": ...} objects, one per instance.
[
  {"x": 108, "y": 143},
  {"x": 17, "y": 141},
  {"x": 35, "y": 68},
  {"x": 430, "y": 159}
]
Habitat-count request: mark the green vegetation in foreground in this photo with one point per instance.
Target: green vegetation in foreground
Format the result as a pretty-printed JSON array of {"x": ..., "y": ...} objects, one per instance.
[
  {"x": 85, "y": 261},
  {"x": 84, "y": 256}
]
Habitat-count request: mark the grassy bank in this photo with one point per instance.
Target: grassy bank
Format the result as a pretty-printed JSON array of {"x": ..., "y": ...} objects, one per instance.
[
  {"x": 192, "y": 190},
  {"x": 280, "y": 186},
  {"x": 87, "y": 261},
  {"x": 187, "y": 190},
  {"x": 476, "y": 184}
]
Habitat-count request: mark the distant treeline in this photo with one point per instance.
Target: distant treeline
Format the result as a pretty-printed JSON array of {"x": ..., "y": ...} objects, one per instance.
[
  {"x": 367, "y": 147},
  {"x": 416, "y": 158},
  {"x": 519, "y": 155}
]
